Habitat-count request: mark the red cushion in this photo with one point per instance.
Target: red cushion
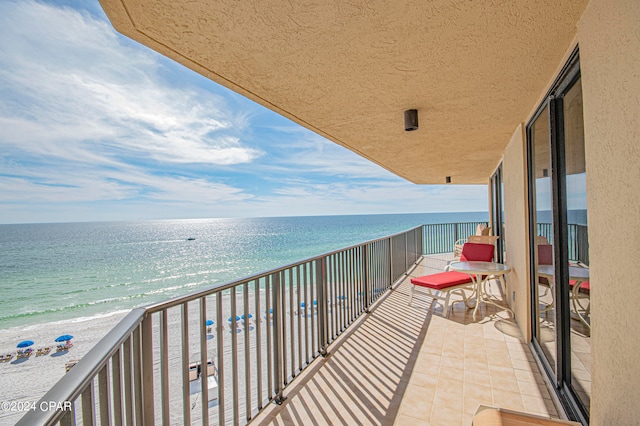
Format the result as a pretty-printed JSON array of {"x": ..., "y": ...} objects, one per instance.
[
  {"x": 545, "y": 254},
  {"x": 585, "y": 287},
  {"x": 476, "y": 252},
  {"x": 442, "y": 280}
]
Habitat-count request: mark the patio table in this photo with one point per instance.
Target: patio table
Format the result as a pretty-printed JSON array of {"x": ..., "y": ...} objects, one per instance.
[
  {"x": 480, "y": 273},
  {"x": 576, "y": 274}
]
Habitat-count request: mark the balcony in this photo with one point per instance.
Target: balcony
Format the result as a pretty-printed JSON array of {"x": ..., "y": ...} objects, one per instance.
[
  {"x": 329, "y": 340},
  {"x": 412, "y": 366}
]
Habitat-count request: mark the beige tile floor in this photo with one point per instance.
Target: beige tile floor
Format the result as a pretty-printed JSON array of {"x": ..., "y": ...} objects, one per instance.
[{"x": 411, "y": 366}]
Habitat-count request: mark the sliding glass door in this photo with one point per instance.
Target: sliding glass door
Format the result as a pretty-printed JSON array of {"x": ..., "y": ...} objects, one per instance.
[
  {"x": 497, "y": 212},
  {"x": 560, "y": 285}
]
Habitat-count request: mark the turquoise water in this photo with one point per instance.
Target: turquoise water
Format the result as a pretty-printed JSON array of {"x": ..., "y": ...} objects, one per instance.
[{"x": 52, "y": 272}]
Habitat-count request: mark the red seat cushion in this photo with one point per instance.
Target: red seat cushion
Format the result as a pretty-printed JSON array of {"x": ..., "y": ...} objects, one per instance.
[
  {"x": 477, "y": 252},
  {"x": 585, "y": 287},
  {"x": 442, "y": 280}
]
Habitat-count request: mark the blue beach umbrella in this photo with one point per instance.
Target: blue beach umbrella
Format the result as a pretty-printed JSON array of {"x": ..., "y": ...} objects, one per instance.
[
  {"x": 64, "y": 338},
  {"x": 231, "y": 318},
  {"x": 209, "y": 322},
  {"x": 25, "y": 344},
  {"x": 248, "y": 316}
]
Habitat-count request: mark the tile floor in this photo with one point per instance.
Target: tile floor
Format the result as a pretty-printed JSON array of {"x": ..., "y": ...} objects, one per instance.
[{"x": 410, "y": 366}]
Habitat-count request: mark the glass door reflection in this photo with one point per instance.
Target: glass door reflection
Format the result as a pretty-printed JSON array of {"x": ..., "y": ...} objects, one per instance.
[
  {"x": 545, "y": 328},
  {"x": 579, "y": 287}
]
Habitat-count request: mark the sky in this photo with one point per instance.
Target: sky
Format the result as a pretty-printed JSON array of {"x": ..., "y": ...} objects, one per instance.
[{"x": 96, "y": 127}]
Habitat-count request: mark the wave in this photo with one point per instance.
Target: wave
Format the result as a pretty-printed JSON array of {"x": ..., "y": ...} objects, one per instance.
[
  {"x": 150, "y": 296},
  {"x": 75, "y": 320}
]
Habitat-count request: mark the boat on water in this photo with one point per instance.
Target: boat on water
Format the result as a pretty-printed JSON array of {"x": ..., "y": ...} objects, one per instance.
[
  {"x": 191, "y": 239},
  {"x": 196, "y": 375}
]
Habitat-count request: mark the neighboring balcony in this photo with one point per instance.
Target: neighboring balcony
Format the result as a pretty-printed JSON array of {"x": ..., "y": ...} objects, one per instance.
[{"x": 328, "y": 340}]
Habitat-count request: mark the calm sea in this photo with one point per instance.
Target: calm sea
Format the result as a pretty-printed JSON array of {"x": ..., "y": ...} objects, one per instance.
[{"x": 53, "y": 272}]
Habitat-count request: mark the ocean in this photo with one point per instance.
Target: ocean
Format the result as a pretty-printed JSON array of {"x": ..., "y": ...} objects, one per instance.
[{"x": 65, "y": 271}]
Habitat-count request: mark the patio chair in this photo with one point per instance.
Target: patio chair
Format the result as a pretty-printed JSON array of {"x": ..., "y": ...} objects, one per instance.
[
  {"x": 545, "y": 257},
  {"x": 440, "y": 286},
  {"x": 482, "y": 237}
]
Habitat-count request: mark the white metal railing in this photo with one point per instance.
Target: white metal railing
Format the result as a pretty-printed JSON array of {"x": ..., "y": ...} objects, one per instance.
[{"x": 221, "y": 354}]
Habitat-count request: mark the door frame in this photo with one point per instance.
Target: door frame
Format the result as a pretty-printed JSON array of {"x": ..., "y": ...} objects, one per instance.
[{"x": 560, "y": 373}]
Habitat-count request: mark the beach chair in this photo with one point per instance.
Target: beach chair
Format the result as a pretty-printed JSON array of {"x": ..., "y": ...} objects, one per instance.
[
  {"x": 211, "y": 368},
  {"x": 69, "y": 365},
  {"x": 194, "y": 371},
  {"x": 442, "y": 285}
]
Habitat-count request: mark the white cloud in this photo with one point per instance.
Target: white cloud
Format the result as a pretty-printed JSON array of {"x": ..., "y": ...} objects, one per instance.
[
  {"x": 76, "y": 90},
  {"x": 96, "y": 127}
]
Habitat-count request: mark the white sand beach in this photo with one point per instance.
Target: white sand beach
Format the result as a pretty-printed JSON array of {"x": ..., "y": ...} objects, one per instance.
[{"x": 28, "y": 379}]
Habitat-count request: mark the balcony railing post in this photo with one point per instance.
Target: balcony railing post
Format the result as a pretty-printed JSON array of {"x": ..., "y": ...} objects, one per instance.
[
  {"x": 455, "y": 233},
  {"x": 136, "y": 387},
  {"x": 390, "y": 260},
  {"x": 186, "y": 397},
  {"x": 278, "y": 319},
  {"x": 204, "y": 359},
  {"x": 148, "y": 409},
  {"x": 221, "y": 368},
  {"x": 164, "y": 365},
  {"x": 406, "y": 251},
  {"x": 365, "y": 274},
  {"x": 88, "y": 406},
  {"x": 323, "y": 314},
  {"x": 104, "y": 396}
]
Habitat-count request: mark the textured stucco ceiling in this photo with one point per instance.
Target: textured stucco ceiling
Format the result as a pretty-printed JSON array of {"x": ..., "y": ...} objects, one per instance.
[{"x": 348, "y": 69}]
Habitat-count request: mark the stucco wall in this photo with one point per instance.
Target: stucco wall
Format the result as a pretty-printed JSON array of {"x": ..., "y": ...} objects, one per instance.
[
  {"x": 609, "y": 40},
  {"x": 516, "y": 234}
]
